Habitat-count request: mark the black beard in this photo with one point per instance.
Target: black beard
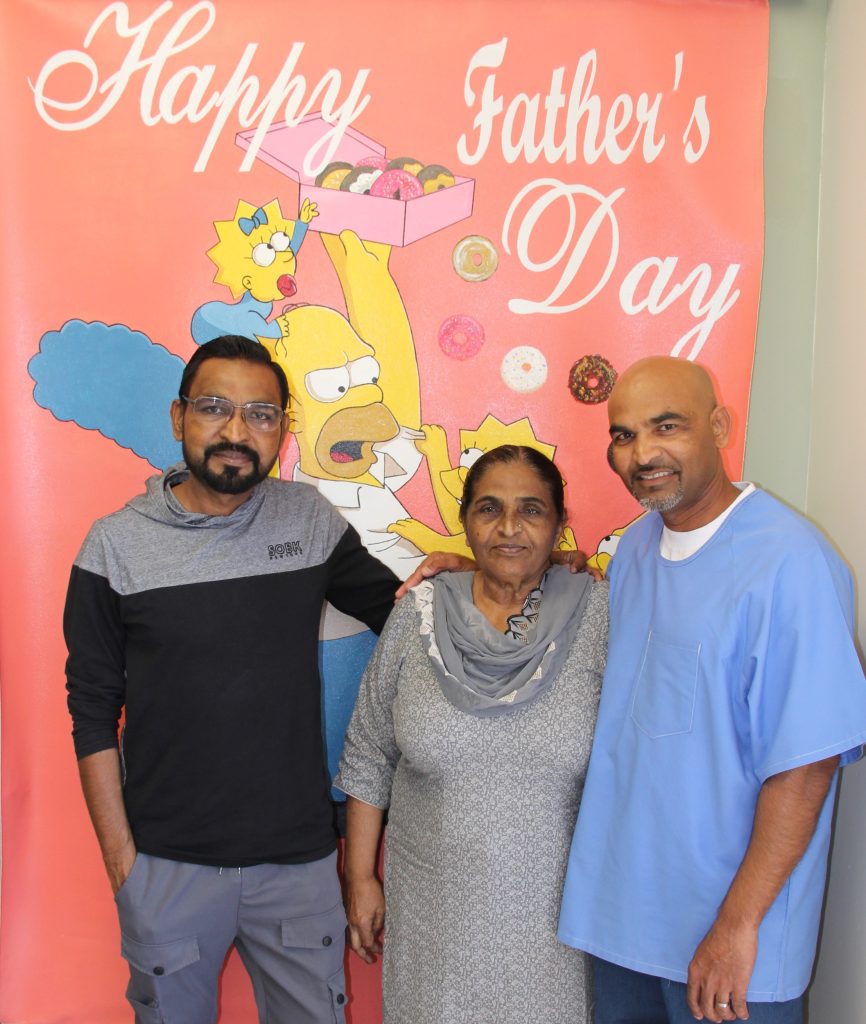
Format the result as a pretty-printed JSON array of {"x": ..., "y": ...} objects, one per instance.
[{"x": 229, "y": 480}]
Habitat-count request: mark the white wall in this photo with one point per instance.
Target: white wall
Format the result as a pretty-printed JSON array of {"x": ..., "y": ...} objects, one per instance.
[
  {"x": 809, "y": 382},
  {"x": 836, "y": 488},
  {"x": 779, "y": 422}
]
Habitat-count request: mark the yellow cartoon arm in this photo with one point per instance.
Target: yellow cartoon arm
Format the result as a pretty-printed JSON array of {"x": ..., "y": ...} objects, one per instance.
[
  {"x": 308, "y": 211},
  {"x": 376, "y": 311},
  {"x": 428, "y": 540},
  {"x": 434, "y": 447}
]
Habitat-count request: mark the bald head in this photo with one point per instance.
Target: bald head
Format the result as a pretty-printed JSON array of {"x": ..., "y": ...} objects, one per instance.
[
  {"x": 667, "y": 431},
  {"x": 664, "y": 375}
]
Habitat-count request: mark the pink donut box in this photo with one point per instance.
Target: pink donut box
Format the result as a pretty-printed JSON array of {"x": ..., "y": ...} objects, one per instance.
[{"x": 395, "y": 221}]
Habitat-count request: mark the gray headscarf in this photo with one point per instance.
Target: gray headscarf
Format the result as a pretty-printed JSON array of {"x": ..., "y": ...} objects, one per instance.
[{"x": 485, "y": 672}]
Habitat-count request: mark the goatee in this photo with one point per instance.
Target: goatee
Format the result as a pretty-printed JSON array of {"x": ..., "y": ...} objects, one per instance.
[{"x": 230, "y": 479}]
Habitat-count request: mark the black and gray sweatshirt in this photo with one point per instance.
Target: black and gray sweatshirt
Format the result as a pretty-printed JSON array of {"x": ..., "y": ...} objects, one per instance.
[{"x": 205, "y": 630}]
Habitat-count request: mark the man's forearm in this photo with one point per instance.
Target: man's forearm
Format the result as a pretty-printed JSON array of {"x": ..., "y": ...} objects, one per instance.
[
  {"x": 785, "y": 818},
  {"x": 786, "y": 815},
  {"x": 103, "y": 794}
]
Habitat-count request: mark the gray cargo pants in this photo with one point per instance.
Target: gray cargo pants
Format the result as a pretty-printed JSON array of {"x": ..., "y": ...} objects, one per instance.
[{"x": 178, "y": 922}]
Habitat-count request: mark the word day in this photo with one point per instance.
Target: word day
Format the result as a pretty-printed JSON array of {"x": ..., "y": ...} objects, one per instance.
[{"x": 587, "y": 257}]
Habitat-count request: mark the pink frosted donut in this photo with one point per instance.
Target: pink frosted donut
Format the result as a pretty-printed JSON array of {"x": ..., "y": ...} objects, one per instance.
[
  {"x": 397, "y": 185},
  {"x": 379, "y": 162},
  {"x": 461, "y": 336}
]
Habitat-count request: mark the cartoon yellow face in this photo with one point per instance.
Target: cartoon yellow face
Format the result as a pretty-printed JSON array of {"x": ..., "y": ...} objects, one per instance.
[
  {"x": 336, "y": 410},
  {"x": 490, "y": 434},
  {"x": 607, "y": 548},
  {"x": 253, "y": 253}
]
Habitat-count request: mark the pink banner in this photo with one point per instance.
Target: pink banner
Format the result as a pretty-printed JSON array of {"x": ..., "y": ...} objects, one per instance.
[{"x": 557, "y": 188}]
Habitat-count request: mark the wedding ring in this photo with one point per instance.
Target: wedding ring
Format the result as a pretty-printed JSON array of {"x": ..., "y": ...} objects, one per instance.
[{"x": 722, "y": 1006}]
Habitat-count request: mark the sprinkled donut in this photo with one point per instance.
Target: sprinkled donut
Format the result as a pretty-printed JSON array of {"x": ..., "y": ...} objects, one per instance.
[
  {"x": 397, "y": 185},
  {"x": 379, "y": 162},
  {"x": 591, "y": 379},
  {"x": 461, "y": 336},
  {"x": 332, "y": 176},
  {"x": 524, "y": 369},
  {"x": 475, "y": 258}
]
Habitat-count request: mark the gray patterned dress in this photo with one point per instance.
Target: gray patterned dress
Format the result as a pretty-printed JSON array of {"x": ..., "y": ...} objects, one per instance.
[{"x": 480, "y": 821}]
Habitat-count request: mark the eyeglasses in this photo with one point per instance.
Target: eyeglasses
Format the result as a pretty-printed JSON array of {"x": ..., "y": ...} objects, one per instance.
[{"x": 258, "y": 415}]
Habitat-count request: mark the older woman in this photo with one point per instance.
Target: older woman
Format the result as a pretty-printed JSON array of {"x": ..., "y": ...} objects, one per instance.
[{"x": 474, "y": 726}]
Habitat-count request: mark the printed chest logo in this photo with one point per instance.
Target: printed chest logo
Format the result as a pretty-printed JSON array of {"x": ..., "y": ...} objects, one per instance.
[{"x": 287, "y": 550}]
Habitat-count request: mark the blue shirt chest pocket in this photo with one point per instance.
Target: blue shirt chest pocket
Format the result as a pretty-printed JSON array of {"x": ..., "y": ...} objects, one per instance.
[{"x": 664, "y": 695}]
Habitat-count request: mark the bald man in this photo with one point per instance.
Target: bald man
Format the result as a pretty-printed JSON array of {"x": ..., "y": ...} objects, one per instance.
[{"x": 733, "y": 693}]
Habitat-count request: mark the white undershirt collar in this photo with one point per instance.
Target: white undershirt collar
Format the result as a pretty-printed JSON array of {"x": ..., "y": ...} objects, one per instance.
[{"x": 675, "y": 545}]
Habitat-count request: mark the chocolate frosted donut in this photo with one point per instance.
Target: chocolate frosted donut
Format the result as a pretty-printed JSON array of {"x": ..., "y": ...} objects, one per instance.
[
  {"x": 405, "y": 163},
  {"x": 332, "y": 176},
  {"x": 591, "y": 379},
  {"x": 360, "y": 179},
  {"x": 435, "y": 177}
]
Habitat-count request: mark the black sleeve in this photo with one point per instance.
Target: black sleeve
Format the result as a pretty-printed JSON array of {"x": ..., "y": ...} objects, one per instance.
[
  {"x": 359, "y": 584},
  {"x": 96, "y": 666}
]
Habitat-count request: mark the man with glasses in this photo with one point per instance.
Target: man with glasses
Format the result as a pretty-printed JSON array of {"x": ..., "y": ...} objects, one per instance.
[{"x": 195, "y": 610}]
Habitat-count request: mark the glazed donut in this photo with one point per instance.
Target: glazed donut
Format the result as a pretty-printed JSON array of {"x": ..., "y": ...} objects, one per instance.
[
  {"x": 475, "y": 258},
  {"x": 524, "y": 369},
  {"x": 591, "y": 379},
  {"x": 461, "y": 336},
  {"x": 397, "y": 185},
  {"x": 405, "y": 163},
  {"x": 332, "y": 176},
  {"x": 360, "y": 179},
  {"x": 435, "y": 177}
]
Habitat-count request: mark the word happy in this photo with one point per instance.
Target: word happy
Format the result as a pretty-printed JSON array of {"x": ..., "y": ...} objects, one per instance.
[
  {"x": 567, "y": 125},
  {"x": 188, "y": 92}
]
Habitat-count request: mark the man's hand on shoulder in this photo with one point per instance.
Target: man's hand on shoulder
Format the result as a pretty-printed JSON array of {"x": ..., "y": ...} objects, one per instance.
[
  {"x": 575, "y": 560},
  {"x": 720, "y": 971},
  {"x": 436, "y": 562}
]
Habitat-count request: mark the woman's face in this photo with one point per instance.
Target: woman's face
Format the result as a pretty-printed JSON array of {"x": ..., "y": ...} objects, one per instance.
[{"x": 511, "y": 523}]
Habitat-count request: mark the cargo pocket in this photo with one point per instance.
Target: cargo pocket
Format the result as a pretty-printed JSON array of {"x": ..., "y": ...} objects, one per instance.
[
  {"x": 664, "y": 696},
  {"x": 337, "y": 988},
  {"x": 158, "y": 960},
  {"x": 146, "y": 1013},
  {"x": 318, "y": 942},
  {"x": 318, "y": 931}
]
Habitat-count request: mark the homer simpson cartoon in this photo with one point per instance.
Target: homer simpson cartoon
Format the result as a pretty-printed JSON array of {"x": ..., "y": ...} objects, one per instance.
[
  {"x": 256, "y": 258},
  {"x": 355, "y": 411},
  {"x": 355, "y": 406},
  {"x": 447, "y": 481}
]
